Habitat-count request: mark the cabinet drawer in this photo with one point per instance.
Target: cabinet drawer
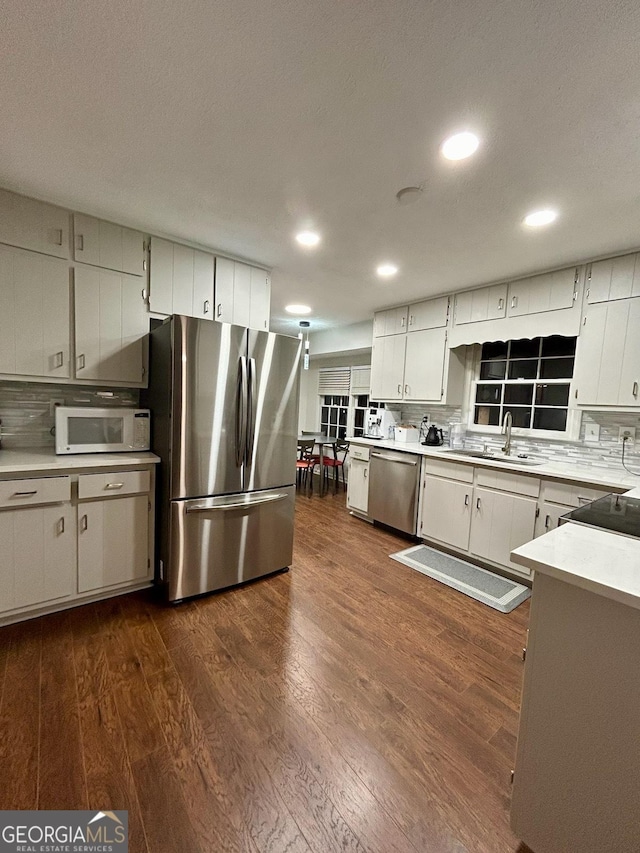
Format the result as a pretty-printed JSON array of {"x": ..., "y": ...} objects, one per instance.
[
  {"x": 114, "y": 483},
  {"x": 43, "y": 490},
  {"x": 571, "y": 494},
  {"x": 357, "y": 452},
  {"x": 505, "y": 481},
  {"x": 451, "y": 470}
]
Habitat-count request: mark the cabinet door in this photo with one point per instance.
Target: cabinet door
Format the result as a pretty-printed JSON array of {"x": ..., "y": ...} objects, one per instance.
[
  {"x": 393, "y": 321},
  {"x": 161, "y": 277},
  {"x": 38, "y": 555},
  {"x": 424, "y": 365},
  {"x": 358, "y": 485},
  {"x": 549, "y": 516},
  {"x": 33, "y": 225},
  {"x": 34, "y": 320},
  {"x": 241, "y": 294},
  {"x": 446, "y": 511},
  {"x": 431, "y": 314},
  {"x": 387, "y": 367},
  {"x": 104, "y": 244},
  {"x": 203, "y": 285},
  {"x": 549, "y": 292},
  {"x": 486, "y": 303},
  {"x": 501, "y": 522},
  {"x": 113, "y": 543},
  {"x": 110, "y": 326},
  {"x": 183, "y": 258},
  {"x": 224, "y": 290},
  {"x": 614, "y": 278},
  {"x": 608, "y": 355},
  {"x": 260, "y": 299}
]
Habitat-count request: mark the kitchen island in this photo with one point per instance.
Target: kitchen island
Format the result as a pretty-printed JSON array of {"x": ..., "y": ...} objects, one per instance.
[{"x": 577, "y": 772}]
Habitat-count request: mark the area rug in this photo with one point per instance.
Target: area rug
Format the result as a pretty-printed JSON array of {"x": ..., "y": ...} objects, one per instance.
[{"x": 500, "y": 593}]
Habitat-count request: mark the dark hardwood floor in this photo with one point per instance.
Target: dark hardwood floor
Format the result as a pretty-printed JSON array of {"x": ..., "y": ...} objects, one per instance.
[{"x": 349, "y": 705}]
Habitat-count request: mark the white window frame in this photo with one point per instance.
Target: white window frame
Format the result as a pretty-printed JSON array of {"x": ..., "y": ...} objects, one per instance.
[{"x": 574, "y": 415}]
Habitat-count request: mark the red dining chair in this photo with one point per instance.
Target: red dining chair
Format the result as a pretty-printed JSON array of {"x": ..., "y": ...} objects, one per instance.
[
  {"x": 305, "y": 464},
  {"x": 336, "y": 462}
]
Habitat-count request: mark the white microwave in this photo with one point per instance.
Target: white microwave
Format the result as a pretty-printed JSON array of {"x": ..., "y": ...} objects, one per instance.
[{"x": 110, "y": 430}]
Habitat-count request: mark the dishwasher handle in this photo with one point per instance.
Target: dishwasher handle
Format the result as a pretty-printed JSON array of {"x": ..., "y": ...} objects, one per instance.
[{"x": 384, "y": 456}]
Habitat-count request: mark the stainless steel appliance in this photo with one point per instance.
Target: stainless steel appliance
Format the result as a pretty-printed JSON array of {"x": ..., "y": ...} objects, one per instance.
[
  {"x": 225, "y": 413},
  {"x": 393, "y": 489},
  {"x": 616, "y": 513},
  {"x": 88, "y": 429},
  {"x": 379, "y": 423}
]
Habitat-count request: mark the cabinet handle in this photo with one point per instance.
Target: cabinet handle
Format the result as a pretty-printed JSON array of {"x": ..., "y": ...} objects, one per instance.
[
  {"x": 407, "y": 390},
  {"x": 547, "y": 522},
  {"x": 635, "y": 389},
  {"x": 24, "y": 494},
  {"x": 466, "y": 500},
  {"x": 366, "y": 473},
  {"x": 114, "y": 485},
  {"x": 61, "y": 527},
  {"x": 59, "y": 233},
  {"x": 205, "y": 307},
  {"x": 219, "y": 311},
  {"x": 84, "y": 523},
  {"x": 81, "y": 361},
  {"x": 399, "y": 389},
  {"x": 411, "y": 319},
  {"x": 59, "y": 358},
  {"x": 80, "y": 242},
  {"x": 477, "y": 503},
  {"x": 500, "y": 304},
  {"x": 403, "y": 321},
  {"x": 514, "y": 301}
]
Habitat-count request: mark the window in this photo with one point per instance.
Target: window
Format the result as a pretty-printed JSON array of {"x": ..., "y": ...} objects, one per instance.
[
  {"x": 361, "y": 405},
  {"x": 529, "y": 378},
  {"x": 333, "y": 415}
]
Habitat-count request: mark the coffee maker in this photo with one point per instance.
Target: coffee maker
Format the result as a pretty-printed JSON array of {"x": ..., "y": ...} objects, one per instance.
[{"x": 379, "y": 423}]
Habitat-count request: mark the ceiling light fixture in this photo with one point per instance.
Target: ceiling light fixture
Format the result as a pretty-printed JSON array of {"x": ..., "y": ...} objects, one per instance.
[
  {"x": 297, "y": 309},
  {"x": 540, "y": 217},
  {"x": 308, "y": 239},
  {"x": 407, "y": 195},
  {"x": 459, "y": 146},
  {"x": 386, "y": 270}
]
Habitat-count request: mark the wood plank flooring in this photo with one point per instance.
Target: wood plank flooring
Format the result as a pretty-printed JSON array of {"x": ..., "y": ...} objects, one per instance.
[{"x": 349, "y": 705}]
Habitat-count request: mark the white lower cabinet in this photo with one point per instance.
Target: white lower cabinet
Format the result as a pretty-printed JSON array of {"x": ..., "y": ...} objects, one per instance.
[
  {"x": 358, "y": 485},
  {"x": 113, "y": 542},
  {"x": 549, "y": 516},
  {"x": 501, "y": 522},
  {"x": 446, "y": 511}
]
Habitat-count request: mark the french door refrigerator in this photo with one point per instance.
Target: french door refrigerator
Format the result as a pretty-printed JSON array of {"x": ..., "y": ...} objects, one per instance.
[{"x": 224, "y": 403}]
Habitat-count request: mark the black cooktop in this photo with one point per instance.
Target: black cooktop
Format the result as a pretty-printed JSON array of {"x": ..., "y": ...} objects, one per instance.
[{"x": 612, "y": 512}]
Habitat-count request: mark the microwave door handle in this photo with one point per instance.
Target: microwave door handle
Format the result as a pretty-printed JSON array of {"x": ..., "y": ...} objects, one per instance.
[
  {"x": 241, "y": 411},
  {"x": 251, "y": 409}
]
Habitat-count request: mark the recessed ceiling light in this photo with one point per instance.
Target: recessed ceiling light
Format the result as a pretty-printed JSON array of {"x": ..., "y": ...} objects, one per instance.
[
  {"x": 407, "y": 195},
  {"x": 297, "y": 309},
  {"x": 459, "y": 146},
  {"x": 308, "y": 238},
  {"x": 386, "y": 270},
  {"x": 540, "y": 217}
]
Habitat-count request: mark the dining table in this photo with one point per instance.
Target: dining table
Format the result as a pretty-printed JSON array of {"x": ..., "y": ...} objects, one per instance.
[{"x": 321, "y": 441}]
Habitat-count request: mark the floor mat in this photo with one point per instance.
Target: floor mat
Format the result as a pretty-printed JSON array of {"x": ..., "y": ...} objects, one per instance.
[{"x": 500, "y": 593}]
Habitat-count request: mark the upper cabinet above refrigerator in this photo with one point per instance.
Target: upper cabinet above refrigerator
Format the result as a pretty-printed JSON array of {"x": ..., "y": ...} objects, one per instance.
[
  {"x": 112, "y": 247},
  {"x": 243, "y": 294},
  {"x": 181, "y": 280}
]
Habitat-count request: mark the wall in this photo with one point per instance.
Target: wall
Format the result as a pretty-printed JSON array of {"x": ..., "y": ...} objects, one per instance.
[
  {"x": 26, "y": 408},
  {"x": 341, "y": 340},
  {"x": 309, "y": 411}
]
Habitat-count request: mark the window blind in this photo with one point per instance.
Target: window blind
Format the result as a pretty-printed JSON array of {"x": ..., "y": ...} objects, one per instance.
[{"x": 334, "y": 380}]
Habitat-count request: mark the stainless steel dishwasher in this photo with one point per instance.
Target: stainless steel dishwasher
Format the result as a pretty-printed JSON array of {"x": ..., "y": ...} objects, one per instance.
[{"x": 393, "y": 489}]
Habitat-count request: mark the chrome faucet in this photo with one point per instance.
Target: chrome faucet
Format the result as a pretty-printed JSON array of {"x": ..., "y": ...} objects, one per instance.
[{"x": 507, "y": 423}]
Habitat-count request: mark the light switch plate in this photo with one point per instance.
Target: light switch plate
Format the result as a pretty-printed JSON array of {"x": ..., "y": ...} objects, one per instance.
[{"x": 592, "y": 432}]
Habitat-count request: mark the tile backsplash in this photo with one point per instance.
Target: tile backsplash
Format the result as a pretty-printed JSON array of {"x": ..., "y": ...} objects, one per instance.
[
  {"x": 606, "y": 452},
  {"x": 26, "y": 408}
]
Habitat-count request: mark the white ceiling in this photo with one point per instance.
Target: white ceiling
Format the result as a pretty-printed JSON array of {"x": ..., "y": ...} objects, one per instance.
[{"x": 233, "y": 123}]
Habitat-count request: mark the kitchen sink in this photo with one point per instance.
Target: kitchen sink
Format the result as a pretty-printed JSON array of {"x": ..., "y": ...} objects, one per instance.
[{"x": 491, "y": 457}]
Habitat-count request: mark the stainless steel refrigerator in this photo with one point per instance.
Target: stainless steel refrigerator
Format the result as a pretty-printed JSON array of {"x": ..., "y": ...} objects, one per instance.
[{"x": 224, "y": 403}]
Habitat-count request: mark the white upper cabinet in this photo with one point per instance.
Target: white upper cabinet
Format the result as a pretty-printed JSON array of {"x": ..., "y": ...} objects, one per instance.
[
  {"x": 111, "y": 323},
  {"x": 34, "y": 225},
  {"x": 34, "y": 318},
  {"x": 103, "y": 244},
  {"x": 608, "y": 355},
  {"x": 549, "y": 292},
  {"x": 615, "y": 278},
  {"x": 181, "y": 280},
  {"x": 486, "y": 303},
  {"x": 430, "y": 314},
  {"x": 424, "y": 365},
  {"x": 393, "y": 321},
  {"x": 242, "y": 294},
  {"x": 387, "y": 367}
]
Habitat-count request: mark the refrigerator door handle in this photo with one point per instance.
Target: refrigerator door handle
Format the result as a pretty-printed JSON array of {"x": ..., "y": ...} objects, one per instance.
[
  {"x": 241, "y": 411},
  {"x": 252, "y": 402},
  {"x": 245, "y": 504}
]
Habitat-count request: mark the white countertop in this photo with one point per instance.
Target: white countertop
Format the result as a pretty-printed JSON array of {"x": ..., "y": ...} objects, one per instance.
[
  {"x": 34, "y": 459},
  {"x": 614, "y": 479},
  {"x": 593, "y": 559}
]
